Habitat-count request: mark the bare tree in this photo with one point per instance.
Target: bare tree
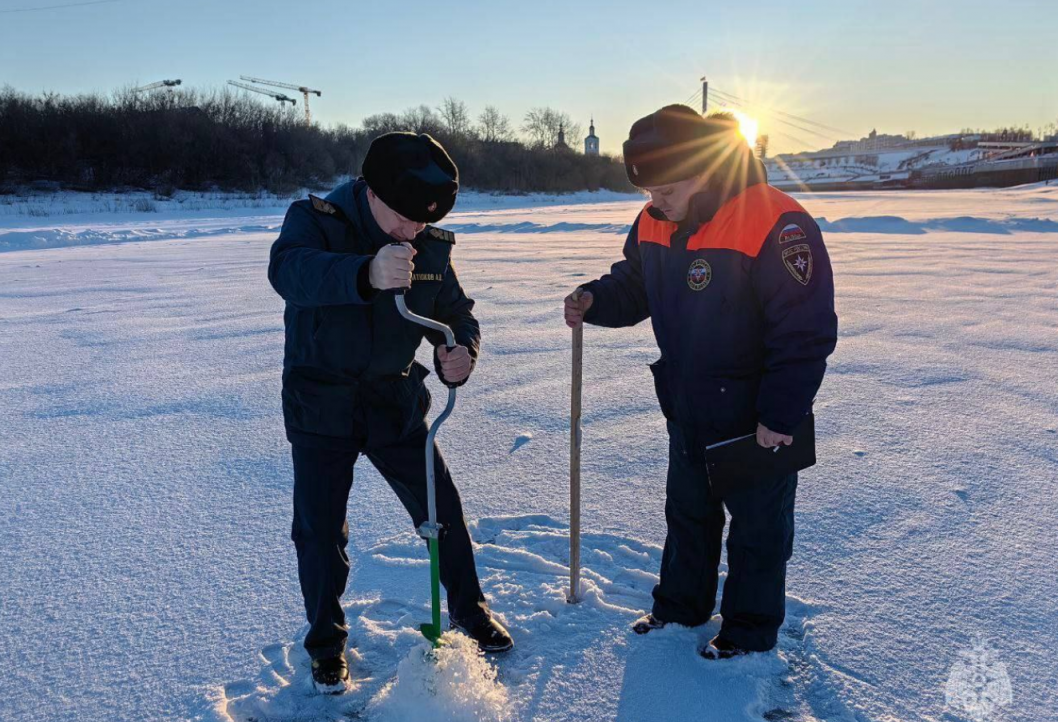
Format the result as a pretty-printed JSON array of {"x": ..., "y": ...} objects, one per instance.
[
  {"x": 197, "y": 139},
  {"x": 455, "y": 117},
  {"x": 542, "y": 126},
  {"x": 494, "y": 126},
  {"x": 382, "y": 123},
  {"x": 421, "y": 120}
]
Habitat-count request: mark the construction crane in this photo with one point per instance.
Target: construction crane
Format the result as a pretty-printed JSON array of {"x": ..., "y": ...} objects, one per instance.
[
  {"x": 276, "y": 96},
  {"x": 169, "y": 84},
  {"x": 289, "y": 86}
]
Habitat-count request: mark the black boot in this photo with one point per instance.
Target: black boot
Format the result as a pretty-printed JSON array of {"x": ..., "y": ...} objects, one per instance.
[
  {"x": 647, "y": 623},
  {"x": 490, "y": 635},
  {"x": 719, "y": 648},
  {"x": 330, "y": 676}
]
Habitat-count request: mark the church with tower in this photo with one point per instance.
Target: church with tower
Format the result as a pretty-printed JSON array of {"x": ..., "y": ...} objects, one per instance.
[{"x": 591, "y": 143}]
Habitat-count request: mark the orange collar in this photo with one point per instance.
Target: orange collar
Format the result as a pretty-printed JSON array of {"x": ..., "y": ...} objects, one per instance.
[{"x": 742, "y": 223}]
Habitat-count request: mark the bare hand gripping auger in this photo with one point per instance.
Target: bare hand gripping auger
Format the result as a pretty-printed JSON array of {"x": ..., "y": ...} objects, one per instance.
[{"x": 430, "y": 530}]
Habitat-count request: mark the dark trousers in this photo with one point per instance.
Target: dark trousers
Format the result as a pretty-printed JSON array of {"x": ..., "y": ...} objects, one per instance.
[
  {"x": 322, "y": 480},
  {"x": 759, "y": 544}
]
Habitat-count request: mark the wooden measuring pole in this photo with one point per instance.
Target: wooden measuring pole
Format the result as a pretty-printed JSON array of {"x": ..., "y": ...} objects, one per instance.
[{"x": 574, "y": 461}]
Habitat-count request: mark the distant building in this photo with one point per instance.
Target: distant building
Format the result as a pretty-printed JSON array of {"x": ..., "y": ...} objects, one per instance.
[
  {"x": 872, "y": 143},
  {"x": 1007, "y": 156},
  {"x": 561, "y": 144},
  {"x": 591, "y": 143}
]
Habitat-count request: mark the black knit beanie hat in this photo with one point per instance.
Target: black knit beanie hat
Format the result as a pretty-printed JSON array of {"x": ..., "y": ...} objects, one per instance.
[
  {"x": 677, "y": 143},
  {"x": 413, "y": 175}
]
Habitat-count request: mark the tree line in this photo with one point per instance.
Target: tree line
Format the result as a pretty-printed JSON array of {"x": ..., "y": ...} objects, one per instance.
[{"x": 190, "y": 139}]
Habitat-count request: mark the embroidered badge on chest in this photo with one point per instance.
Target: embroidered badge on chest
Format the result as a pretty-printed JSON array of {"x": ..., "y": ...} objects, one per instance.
[
  {"x": 798, "y": 261},
  {"x": 699, "y": 274}
]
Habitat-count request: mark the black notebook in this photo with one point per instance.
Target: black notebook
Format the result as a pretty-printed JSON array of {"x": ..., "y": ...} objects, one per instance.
[{"x": 737, "y": 463}]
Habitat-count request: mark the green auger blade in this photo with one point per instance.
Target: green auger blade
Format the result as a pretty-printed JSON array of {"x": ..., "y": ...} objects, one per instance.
[{"x": 432, "y": 631}]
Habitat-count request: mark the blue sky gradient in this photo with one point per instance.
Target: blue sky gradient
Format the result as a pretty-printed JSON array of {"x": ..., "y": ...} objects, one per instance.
[{"x": 930, "y": 66}]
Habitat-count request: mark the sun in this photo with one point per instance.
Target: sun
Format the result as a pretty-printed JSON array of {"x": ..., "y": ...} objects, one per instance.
[{"x": 748, "y": 126}]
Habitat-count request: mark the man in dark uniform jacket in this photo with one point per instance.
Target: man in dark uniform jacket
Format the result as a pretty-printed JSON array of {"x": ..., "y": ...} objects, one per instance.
[
  {"x": 737, "y": 283},
  {"x": 351, "y": 384}
]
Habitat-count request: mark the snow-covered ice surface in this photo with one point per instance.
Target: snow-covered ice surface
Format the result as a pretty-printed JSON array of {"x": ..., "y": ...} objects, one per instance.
[
  {"x": 54, "y": 220},
  {"x": 144, "y": 515}
]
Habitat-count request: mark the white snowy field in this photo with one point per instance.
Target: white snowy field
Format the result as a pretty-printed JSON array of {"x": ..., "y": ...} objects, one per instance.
[
  {"x": 146, "y": 571},
  {"x": 52, "y": 220}
]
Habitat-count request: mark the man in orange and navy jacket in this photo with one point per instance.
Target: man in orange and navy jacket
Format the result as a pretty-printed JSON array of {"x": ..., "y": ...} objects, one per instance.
[{"x": 737, "y": 283}]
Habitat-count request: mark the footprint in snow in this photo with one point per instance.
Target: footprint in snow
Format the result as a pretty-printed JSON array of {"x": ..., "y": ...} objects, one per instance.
[
  {"x": 521, "y": 441},
  {"x": 522, "y": 561}
]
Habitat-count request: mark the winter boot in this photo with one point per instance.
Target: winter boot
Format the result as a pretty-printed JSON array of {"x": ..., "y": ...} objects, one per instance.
[
  {"x": 647, "y": 623},
  {"x": 486, "y": 630},
  {"x": 330, "y": 676},
  {"x": 719, "y": 648}
]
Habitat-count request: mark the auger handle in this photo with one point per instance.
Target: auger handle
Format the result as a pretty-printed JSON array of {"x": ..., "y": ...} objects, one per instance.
[{"x": 431, "y": 530}]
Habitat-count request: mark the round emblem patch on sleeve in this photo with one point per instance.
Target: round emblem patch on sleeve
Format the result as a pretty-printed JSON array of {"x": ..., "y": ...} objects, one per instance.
[
  {"x": 798, "y": 261},
  {"x": 699, "y": 275}
]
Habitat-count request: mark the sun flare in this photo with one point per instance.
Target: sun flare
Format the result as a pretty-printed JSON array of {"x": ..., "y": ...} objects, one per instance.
[{"x": 748, "y": 126}]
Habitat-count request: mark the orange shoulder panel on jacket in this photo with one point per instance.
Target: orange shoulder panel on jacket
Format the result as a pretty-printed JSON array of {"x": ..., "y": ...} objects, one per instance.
[
  {"x": 651, "y": 230},
  {"x": 743, "y": 223}
]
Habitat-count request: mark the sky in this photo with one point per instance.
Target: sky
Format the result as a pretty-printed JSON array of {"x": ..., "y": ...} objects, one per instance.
[{"x": 931, "y": 66}]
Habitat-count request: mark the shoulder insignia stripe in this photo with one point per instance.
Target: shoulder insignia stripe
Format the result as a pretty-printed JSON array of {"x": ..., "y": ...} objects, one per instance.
[
  {"x": 322, "y": 206},
  {"x": 441, "y": 234}
]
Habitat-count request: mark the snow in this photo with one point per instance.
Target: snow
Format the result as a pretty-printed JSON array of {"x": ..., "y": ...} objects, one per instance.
[
  {"x": 38, "y": 204},
  {"x": 52, "y": 220},
  {"x": 144, "y": 520},
  {"x": 454, "y": 682},
  {"x": 523, "y": 560},
  {"x": 894, "y": 162}
]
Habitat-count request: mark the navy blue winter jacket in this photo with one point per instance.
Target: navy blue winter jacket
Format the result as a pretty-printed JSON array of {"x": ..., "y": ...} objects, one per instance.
[
  {"x": 741, "y": 298},
  {"x": 349, "y": 354}
]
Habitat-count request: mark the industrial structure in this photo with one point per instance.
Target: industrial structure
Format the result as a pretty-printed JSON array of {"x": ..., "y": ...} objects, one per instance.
[
  {"x": 271, "y": 94},
  {"x": 304, "y": 90},
  {"x": 161, "y": 84}
]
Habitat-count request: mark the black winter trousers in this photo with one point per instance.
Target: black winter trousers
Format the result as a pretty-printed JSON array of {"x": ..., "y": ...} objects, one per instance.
[
  {"x": 759, "y": 545},
  {"x": 322, "y": 481}
]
